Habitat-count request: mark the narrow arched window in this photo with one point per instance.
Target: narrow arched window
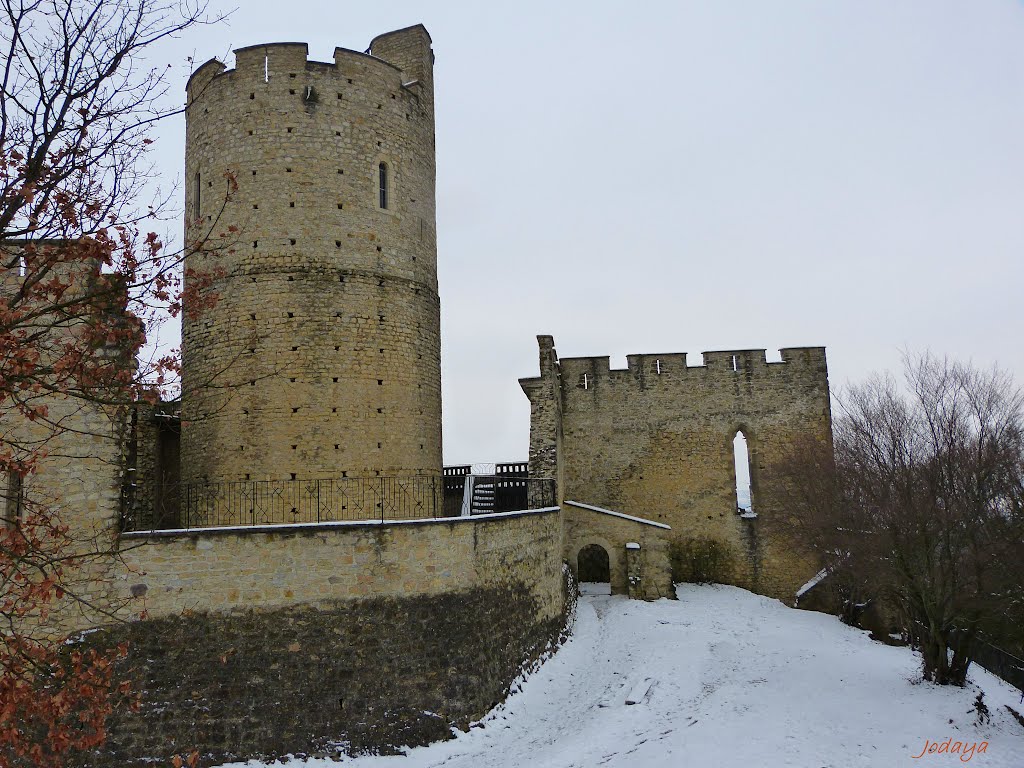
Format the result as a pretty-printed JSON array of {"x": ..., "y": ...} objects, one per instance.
[
  {"x": 741, "y": 459},
  {"x": 382, "y": 185}
]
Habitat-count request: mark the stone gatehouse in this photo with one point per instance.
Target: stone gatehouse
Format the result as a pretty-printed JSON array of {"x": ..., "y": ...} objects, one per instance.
[{"x": 655, "y": 441}]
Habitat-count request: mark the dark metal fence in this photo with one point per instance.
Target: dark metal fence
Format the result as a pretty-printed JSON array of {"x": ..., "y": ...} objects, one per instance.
[
  {"x": 1000, "y": 663},
  {"x": 282, "y": 502},
  {"x": 505, "y": 484},
  {"x": 455, "y": 488},
  {"x": 512, "y": 486}
]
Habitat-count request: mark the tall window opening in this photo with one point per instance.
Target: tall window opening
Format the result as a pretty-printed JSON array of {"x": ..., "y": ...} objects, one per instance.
[
  {"x": 741, "y": 458},
  {"x": 197, "y": 193},
  {"x": 13, "y": 500},
  {"x": 382, "y": 185}
]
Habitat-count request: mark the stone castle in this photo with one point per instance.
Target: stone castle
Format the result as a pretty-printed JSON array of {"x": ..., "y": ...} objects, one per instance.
[{"x": 297, "y": 515}]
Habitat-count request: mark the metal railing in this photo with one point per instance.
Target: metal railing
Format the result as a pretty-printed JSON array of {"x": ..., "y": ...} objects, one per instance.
[
  {"x": 284, "y": 502},
  {"x": 992, "y": 658},
  {"x": 505, "y": 484},
  {"x": 1000, "y": 663}
]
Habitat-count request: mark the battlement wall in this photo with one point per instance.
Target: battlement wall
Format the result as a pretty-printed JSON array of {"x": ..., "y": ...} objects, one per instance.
[
  {"x": 82, "y": 271},
  {"x": 723, "y": 366},
  {"x": 281, "y": 61}
]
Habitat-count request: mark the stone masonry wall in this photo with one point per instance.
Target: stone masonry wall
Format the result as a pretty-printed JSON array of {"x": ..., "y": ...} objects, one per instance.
[
  {"x": 224, "y": 569},
  {"x": 79, "y": 483},
  {"x": 321, "y": 357},
  {"x": 313, "y": 639},
  {"x": 655, "y": 440},
  {"x": 360, "y": 676},
  {"x": 585, "y": 526},
  {"x": 545, "y": 398},
  {"x": 154, "y": 467},
  {"x": 81, "y": 441}
]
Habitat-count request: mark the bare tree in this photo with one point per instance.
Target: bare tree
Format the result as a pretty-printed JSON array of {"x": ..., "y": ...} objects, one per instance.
[
  {"x": 82, "y": 283},
  {"x": 921, "y": 505}
]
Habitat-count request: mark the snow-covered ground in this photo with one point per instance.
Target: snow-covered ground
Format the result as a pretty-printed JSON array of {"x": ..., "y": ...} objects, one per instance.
[{"x": 737, "y": 680}]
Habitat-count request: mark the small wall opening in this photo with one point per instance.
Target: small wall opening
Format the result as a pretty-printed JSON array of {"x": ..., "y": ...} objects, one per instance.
[
  {"x": 741, "y": 459},
  {"x": 593, "y": 568},
  {"x": 197, "y": 193},
  {"x": 382, "y": 186},
  {"x": 13, "y": 499}
]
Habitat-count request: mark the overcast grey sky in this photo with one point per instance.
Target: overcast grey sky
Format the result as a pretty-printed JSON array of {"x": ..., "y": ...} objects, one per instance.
[{"x": 700, "y": 174}]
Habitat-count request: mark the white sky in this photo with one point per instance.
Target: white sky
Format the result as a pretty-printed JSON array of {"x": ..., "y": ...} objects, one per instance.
[{"x": 699, "y": 174}]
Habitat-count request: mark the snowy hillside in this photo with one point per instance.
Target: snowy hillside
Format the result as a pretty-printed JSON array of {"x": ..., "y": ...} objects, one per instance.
[{"x": 736, "y": 680}]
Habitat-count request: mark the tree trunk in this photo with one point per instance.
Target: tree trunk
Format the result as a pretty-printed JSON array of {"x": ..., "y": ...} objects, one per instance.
[
  {"x": 935, "y": 657},
  {"x": 958, "y": 668},
  {"x": 963, "y": 651}
]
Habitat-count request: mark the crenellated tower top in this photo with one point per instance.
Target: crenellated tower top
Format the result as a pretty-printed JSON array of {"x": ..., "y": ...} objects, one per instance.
[{"x": 404, "y": 57}]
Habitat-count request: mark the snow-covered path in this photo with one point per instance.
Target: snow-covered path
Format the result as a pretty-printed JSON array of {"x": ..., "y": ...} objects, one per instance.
[{"x": 738, "y": 680}]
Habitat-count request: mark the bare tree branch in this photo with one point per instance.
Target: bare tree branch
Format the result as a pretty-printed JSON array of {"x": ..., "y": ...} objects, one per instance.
[{"x": 81, "y": 285}]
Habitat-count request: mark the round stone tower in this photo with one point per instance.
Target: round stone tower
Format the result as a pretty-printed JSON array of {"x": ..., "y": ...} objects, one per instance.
[{"x": 311, "y": 187}]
